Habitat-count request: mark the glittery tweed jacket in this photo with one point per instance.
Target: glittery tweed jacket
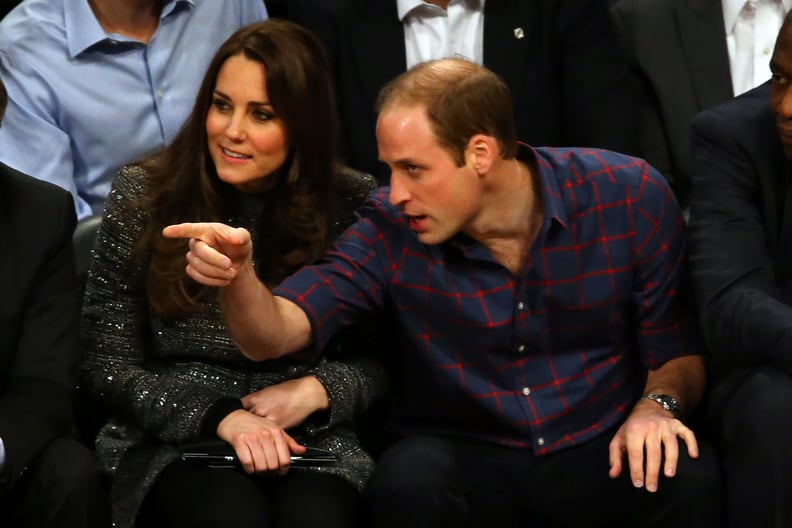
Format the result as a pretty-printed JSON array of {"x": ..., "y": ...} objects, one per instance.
[{"x": 159, "y": 378}]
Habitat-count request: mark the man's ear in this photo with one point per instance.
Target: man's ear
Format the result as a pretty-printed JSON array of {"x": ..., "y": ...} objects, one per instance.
[{"x": 481, "y": 152}]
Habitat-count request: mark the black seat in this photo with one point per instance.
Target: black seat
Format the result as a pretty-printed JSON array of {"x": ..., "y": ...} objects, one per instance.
[
  {"x": 83, "y": 238},
  {"x": 90, "y": 414}
]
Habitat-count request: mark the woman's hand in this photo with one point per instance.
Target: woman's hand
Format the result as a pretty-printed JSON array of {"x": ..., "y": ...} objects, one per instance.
[{"x": 260, "y": 444}]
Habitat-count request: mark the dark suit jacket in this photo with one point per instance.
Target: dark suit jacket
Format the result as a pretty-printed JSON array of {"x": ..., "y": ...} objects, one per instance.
[
  {"x": 680, "y": 66},
  {"x": 568, "y": 73},
  {"x": 39, "y": 315},
  {"x": 741, "y": 233}
]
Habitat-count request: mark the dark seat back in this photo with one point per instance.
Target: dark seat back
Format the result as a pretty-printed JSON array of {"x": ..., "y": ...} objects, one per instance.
[
  {"x": 83, "y": 238},
  {"x": 90, "y": 415}
]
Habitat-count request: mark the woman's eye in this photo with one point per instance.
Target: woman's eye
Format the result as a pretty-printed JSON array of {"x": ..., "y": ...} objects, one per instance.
[
  {"x": 220, "y": 104},
  {"x": 262, "y": 115}
]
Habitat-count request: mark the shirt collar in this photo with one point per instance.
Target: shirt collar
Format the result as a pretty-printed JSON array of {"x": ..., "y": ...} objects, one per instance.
[
  {"x": 552, "y": 203},
  {"x": 405, "y": 7},
  {"x": 732, "y": 8},
  {"x": 84, "y": 31},
  {"x": 552, "y": 200}
]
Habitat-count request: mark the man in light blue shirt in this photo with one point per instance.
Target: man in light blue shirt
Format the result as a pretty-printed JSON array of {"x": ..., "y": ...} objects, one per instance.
[{"x": 93, "y": 86}]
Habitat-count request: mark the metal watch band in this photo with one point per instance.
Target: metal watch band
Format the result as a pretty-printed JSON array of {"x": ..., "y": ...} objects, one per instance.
[{"x": 669, "y": 403}]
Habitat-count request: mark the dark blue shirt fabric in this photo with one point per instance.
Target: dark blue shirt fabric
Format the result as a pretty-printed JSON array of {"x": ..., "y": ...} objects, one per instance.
[{"x": 546, "y": 359}]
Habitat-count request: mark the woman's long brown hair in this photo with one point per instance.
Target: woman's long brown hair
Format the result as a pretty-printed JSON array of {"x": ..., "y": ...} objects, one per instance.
[{"x": 184, "y": 186}]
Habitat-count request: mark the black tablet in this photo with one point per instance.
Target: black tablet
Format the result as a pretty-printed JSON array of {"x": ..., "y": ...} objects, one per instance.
[{"x": 219, "y": 454}]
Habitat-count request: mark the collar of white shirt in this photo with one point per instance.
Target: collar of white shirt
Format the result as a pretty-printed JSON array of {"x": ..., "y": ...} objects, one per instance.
[
  {"x": 405, "y": 7},
  {"x": 732, "y": 8}
]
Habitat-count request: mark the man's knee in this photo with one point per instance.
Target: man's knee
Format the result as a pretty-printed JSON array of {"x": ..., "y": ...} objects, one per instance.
[
  {"x": 693, "y": 497},
  {"x": 417, "y": 466},
  {"x": 65, "y": 487},
  {"x": 756, "y": 412},
  {"x": 419, "y": 483},
  {"x": 699, "y": 480},
  {"x": 67, "y": 467}
]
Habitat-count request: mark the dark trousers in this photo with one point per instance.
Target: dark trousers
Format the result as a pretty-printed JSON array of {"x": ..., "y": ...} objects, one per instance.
[
  {"x": 66, "y": 487},
  {"x": 188, "y": 495},
  {"x": 436, "y": 482},
  {"x": 751, "y": 414}
]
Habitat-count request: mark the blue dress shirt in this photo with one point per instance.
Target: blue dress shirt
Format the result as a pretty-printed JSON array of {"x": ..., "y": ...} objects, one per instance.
[{"x": 83, "y": 103}]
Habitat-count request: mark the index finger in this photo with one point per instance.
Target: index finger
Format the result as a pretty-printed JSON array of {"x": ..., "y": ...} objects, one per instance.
[
  {"x": 188, "y": 230},
  {"x": 208, "y": 232},
  {"x": 615, "y": 455}
]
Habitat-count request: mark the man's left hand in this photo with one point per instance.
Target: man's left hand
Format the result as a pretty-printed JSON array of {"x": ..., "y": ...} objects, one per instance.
[{"x": 649, "y": 437}]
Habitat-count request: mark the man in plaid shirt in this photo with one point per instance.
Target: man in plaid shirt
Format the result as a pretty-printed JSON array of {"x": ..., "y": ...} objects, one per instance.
[{"x": 547, "y": 350}]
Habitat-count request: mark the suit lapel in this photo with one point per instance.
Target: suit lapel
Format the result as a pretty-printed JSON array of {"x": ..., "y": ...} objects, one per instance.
[
  {"x": 508, "y": 28},
  {"x": 700, "y": 24},
  {"x": 783, "y": 244},
  {"x": 378, "y": 51}
]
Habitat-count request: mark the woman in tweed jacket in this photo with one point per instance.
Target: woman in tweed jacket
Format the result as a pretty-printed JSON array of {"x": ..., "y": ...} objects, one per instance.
[{"x": 258, "y": 152}]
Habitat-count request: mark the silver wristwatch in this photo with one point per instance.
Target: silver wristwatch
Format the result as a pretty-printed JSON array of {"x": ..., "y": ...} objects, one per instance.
[{"x": 668, "y": 403}]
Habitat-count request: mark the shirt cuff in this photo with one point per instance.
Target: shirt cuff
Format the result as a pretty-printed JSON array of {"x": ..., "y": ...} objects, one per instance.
[{"x": 215, "y": 414}]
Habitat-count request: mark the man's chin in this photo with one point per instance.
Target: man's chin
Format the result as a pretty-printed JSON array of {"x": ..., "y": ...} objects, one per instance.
[
  {"x": 785, "y": 136},
  {"x": 787, "y": 150},
  {"x": 426, "y": 238},
  {"x": 431, "y": 238}
]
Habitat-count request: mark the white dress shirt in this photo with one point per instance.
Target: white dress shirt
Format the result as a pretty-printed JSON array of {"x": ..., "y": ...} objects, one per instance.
[
  {"x": 751, "y": 30},
  {"x": 431, "y": 32}
]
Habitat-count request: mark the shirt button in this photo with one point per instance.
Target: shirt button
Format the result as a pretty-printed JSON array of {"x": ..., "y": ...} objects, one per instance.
[
  {"x": 520, "y": 305},
  {"x": 540, "y": 441},
  {"x": 766, "y": 51},
  {"x": 526, "y": 391},
  {"x": 160, "y": 94},
  {"x": 521, "y": 349}
]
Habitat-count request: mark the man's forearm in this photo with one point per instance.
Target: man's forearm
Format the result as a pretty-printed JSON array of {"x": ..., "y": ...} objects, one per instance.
[
  {"x": 261, "y": 325},
  {"x": 683, "y": 378}
]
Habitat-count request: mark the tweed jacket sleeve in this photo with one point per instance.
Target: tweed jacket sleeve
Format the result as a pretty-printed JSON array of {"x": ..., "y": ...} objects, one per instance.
[{"x": 119, "y": 348}]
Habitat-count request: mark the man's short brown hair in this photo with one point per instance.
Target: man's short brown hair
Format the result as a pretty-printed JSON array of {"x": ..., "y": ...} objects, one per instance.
[{"x": 461, "y": 99}]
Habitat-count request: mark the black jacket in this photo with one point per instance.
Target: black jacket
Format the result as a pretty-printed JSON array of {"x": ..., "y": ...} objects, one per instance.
[
  {"x": 39, "y": 316},
  {"x": 561, "y": 59}
]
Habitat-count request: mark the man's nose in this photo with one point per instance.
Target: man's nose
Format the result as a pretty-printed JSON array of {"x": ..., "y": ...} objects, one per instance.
[{"x": 398, "y": 190}]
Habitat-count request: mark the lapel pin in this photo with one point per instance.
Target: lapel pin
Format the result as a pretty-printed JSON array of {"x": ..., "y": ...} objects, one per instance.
[{"x": 518, "y": 33}]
